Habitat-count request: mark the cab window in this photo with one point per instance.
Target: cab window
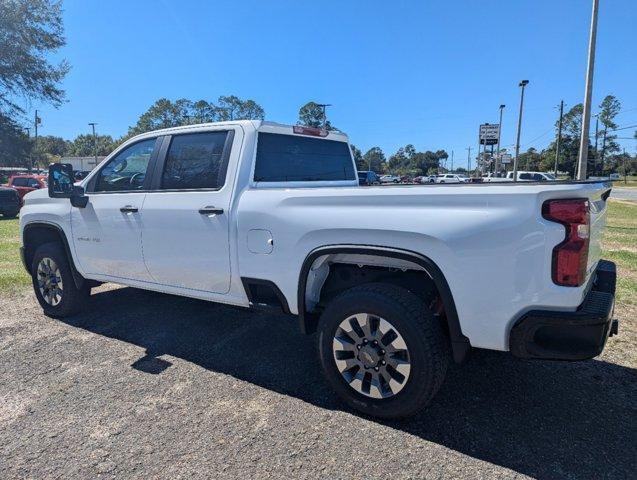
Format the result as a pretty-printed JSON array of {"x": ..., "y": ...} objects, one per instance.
[
  {"x": 291, "y": 158},
  {"x": 127, "y": 170}
]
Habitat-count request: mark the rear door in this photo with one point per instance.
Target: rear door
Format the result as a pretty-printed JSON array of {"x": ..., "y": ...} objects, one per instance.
[
  {"x": 186, "y": 219},
  {"x": 107, "y": 233}
]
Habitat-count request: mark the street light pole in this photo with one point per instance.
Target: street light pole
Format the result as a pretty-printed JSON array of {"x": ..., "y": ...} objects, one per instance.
[
  {"x": 559, "y": 137},
  {"x": 92, "y": 124},
  {"x": 522, "y": 84},
  {"x": 496, "y": 167},
  {"x": 468, "y": 160},
  {"x": 586, "y": 116}
]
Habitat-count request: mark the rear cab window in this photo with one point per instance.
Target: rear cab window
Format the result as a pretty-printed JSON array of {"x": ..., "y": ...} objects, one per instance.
[{"x": 284, "y": 158}]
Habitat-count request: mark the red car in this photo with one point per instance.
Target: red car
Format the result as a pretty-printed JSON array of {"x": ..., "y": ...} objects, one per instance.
[{"x": 26, "y": 183}]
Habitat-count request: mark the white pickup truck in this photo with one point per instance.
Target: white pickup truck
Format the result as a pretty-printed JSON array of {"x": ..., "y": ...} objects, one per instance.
[{"x": 395, "y": 281}]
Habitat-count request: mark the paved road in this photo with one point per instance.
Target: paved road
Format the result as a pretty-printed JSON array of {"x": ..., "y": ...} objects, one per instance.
[
  {"x": 624, "y": 193},
  {"x": 151, "y": 386}
]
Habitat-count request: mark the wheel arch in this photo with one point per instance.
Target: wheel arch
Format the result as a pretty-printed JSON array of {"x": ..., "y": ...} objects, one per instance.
[
  {"x": 35, "y": 234},
  {"x": 307, "y": 320}
]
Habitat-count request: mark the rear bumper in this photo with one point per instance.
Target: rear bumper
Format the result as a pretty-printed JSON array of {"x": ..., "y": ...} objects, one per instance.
[{"x": 577, "y": 335}]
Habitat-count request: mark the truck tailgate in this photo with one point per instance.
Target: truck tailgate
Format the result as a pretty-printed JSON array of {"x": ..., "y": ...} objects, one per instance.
[{"x": 598, "y": 208}]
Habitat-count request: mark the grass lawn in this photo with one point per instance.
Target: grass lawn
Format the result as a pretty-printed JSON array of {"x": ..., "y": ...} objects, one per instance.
[
  {"x": 12, "y": 273},
  {"x": 620, "y": 246}
]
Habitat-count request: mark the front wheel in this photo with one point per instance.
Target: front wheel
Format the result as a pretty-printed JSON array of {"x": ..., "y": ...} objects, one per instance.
[
  {"x": 53, "y": 282},
  {"x": 382, "y": 350}
]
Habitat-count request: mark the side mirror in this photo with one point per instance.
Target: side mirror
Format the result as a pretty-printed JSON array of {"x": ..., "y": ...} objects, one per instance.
[
  {"x": 60, "y": 180},
  {"x": 61, "y": 185},
  {"x": 78, "y": 199}
]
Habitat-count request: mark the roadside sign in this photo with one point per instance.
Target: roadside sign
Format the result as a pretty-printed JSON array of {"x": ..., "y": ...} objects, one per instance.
[
  {"x": 488, "y": 134},
  {"x": 505, "y": 158}
]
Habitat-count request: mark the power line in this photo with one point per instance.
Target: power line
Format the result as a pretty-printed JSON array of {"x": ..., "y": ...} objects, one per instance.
[
  {"x": 623, "y": 128},
  {"x": 537, "y": 138}
]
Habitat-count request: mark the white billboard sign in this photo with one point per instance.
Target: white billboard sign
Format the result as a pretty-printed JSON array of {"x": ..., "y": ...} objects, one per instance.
[
  {"x": 489, "y": 133},
  {"x": 505, "y": 158}
]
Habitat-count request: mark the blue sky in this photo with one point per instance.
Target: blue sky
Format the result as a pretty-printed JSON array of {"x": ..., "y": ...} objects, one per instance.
[{"x": 396, "y": 72}]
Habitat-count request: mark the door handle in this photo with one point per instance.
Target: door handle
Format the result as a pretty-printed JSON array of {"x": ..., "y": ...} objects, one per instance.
[
  {"x": 209, "y": 210},
  {"x": 129, "y": 209}
]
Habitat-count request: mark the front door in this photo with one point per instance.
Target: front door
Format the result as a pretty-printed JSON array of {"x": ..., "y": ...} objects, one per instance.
[
  {"x": 107, "y": 233},
  {"x": 185, "y": 235}
]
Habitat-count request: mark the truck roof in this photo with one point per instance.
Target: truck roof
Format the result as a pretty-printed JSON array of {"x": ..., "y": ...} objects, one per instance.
[{"x": 259, "y": 125}]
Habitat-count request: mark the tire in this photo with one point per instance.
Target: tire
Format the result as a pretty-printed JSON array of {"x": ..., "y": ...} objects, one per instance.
[
  {"x": 67, "y": 299},
  {"x": 10, "y": 214},
  {"x": 427, "y": 349}
]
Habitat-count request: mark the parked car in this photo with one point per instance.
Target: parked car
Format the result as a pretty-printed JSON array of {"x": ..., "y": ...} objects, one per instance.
[
  {"x": 525, "y": 176},
  {"x": 10, "y": 202},
  {"x": 241, "y": 213},
  {"x": 425, "y": 179},
  {"x": 611, "y": 176},
  {"x": 451, "y": 178},
  {"x": 389, "y": 179},
  {"x": 406, "y": 179},
  {"x": 368, "y": 177},
  {"x": 26, "y": 183}
]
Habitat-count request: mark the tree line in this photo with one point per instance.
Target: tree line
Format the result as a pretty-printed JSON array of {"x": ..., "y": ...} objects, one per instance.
[
  {"x": 604, "y": 153},
  {"x": 32, "y": 30}
]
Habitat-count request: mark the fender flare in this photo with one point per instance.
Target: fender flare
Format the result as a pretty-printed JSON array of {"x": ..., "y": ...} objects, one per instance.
[
  {"x": 307, "y": 322},
  {"x": 78, "y": 279}
]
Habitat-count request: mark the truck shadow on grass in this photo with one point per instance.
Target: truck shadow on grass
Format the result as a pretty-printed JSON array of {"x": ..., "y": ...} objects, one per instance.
[{"x": 543, "y": 419}]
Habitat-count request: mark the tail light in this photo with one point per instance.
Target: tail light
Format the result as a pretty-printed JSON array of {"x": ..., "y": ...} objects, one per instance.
[
  {"x": 571, "y": 256},
  {"x": 314, "y": 131}
]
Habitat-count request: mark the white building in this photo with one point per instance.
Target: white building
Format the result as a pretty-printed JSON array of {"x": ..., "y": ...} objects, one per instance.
[{"x": 82, "y": 163}]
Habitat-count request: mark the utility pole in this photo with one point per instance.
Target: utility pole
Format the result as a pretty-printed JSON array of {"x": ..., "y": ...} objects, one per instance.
[
  {"x": 586, "y": 117},
  {"x": 625, "y": 173},
  {"x": 451, "y": 161},
  {"x": 522, "y": 84},
  {"x": 496, "y": 166},
  {"x": 596, "y": 132},
  {"x": 28, "y": 130},
  {"x": 36, "y": 121},
  {"x": 324, "y": 106},
  {"x": 475, "y": 173},
  {"x": 559, "y": 137},
  {"x": 596, "y": 135},
  {"x": 603, "y": 149},
  {"x": 468, "y": 160},
  {"x": 92, "y": 124}
]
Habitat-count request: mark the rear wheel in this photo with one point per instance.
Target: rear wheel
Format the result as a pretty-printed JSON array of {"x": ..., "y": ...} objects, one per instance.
[
  {"x": 382, "y": 350},
  {"x": 54, "y": 284}
]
